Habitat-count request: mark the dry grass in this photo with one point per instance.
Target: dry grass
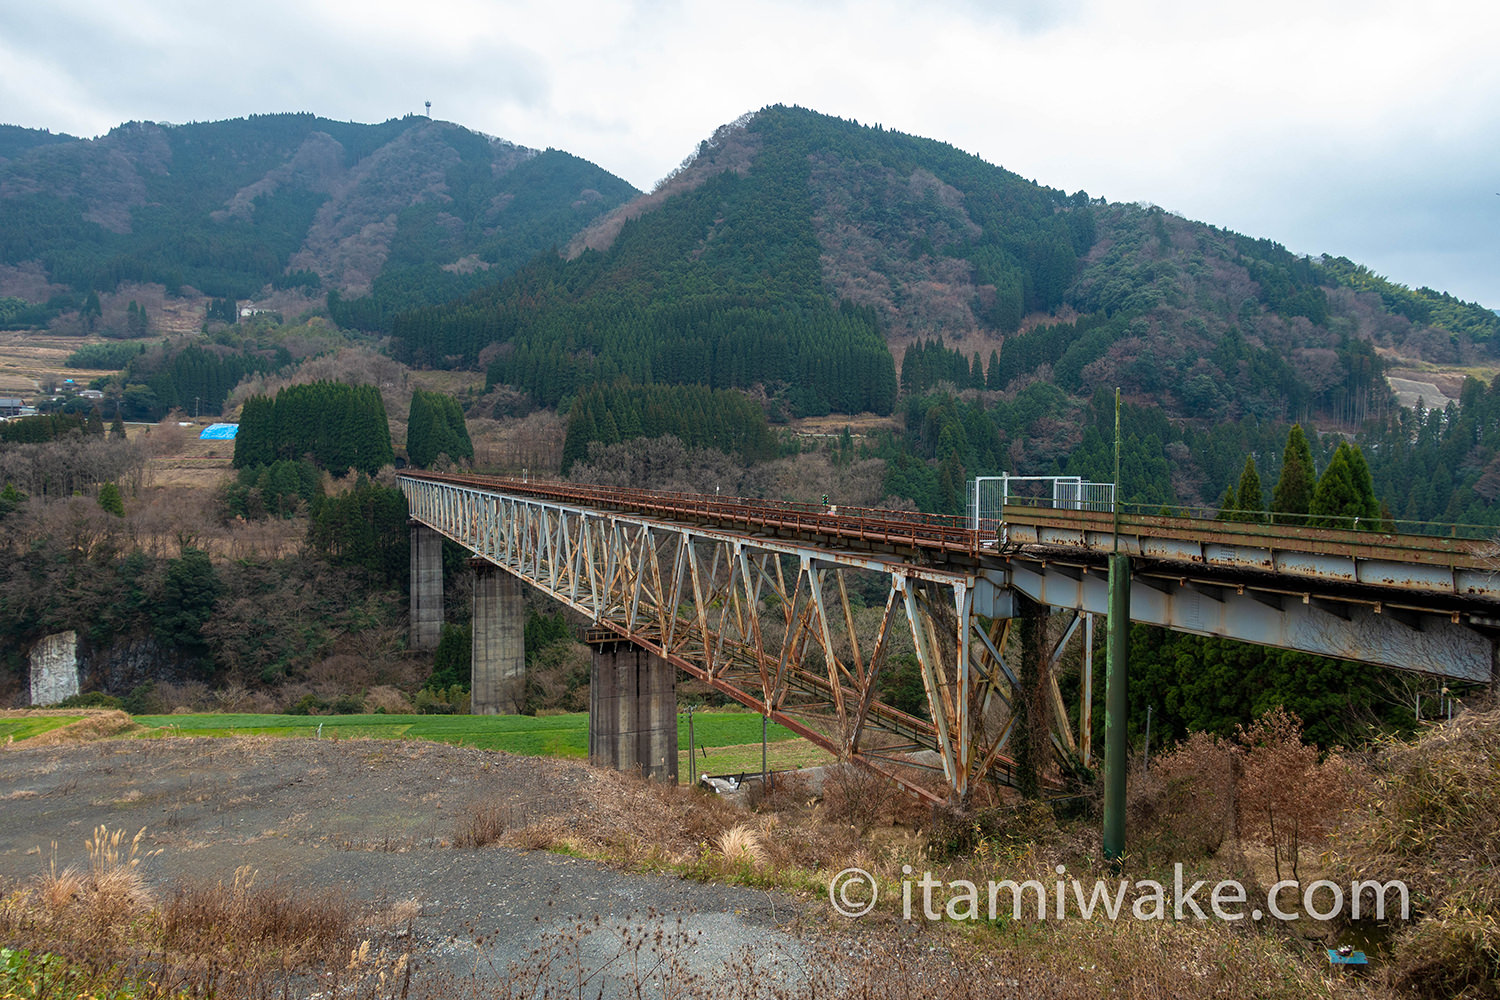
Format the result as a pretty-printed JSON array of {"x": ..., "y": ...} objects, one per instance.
[
  {"x": 29, "y": 358},
  {"x": 98, "y": 724},
  {"x": 1431, "y": 818},
  {"x": 297, "y": 927},
  {"x": 482, "y": 824},
  {"x": 102, "y": 933},
  {"x": 740, "y": 846}
]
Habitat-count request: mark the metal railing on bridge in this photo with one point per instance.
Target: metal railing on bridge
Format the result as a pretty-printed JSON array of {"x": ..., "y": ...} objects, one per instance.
[
  {"x": 755, "y": 597},
  {"x": 989, "y": 495}
]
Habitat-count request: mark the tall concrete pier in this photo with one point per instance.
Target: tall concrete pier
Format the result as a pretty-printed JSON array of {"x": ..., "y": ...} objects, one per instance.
[
  {"x": 426, "y": 586},
  {"x": 633, "y": 711},
  {"x": 499, "y": 650}
]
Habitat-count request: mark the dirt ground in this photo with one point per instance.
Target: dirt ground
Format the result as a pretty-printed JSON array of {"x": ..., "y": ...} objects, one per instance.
[{"x": 377, "y": 817}]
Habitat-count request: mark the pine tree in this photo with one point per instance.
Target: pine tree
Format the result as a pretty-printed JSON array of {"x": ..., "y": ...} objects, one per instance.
[
  {"x": 110, "y": 500},
  {"x": 460, "y": 445},
  {"x": 1364, "y": 485},
  {"x": 1252, "y": 505},
  {"x": 1294, "y": 487},
  {"x": 1336, "y": 501},
  {"x": 1227, "y": 505}
]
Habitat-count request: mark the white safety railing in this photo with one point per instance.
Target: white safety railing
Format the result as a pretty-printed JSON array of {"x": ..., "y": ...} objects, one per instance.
[{"x": 988, "y": 496}]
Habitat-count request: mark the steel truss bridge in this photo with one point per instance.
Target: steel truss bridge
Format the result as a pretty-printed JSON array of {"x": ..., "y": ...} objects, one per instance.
[{"x": 758, "y": 600}]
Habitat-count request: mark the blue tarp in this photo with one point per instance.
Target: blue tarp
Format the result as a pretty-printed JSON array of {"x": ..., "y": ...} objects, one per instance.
[{"x": 219, "y": 432}]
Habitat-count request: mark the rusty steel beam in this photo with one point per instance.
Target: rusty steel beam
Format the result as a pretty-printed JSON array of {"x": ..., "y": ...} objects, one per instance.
[
  {"x": 753, "y": 598},
  {"x": 763, "y": 618}
]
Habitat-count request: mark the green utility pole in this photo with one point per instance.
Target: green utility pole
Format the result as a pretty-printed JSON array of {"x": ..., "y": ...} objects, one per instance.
[{"x": 1116, "y": 707}]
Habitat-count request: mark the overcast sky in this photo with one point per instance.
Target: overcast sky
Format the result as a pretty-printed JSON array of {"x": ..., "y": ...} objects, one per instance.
[{"x": 1369, "y": 129}]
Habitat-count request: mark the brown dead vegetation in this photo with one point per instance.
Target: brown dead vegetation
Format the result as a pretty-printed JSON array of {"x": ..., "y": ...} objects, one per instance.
[
  {"x": 109, "y": 935},
  {"x": 97, "y": 724}
]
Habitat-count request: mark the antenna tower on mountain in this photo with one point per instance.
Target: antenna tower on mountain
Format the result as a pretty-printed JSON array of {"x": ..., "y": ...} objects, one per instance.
[{"x": 429, "y": 109}]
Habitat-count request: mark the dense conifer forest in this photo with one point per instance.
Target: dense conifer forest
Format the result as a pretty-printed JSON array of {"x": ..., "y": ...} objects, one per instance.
[
  {"x": 340, "y": 427},
  {"x": 241, "y": 208}
]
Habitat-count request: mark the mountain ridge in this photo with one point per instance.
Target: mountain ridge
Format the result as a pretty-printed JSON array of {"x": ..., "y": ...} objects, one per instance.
[
  {"x": 915, "y": 242},
  {"x": 232, "y": 208}
]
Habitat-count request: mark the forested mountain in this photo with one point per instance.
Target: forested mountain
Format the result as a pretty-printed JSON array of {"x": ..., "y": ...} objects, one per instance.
[
  {"x": 798, "y": 256},
  {"x": 395, "y": 215},
  {"x": 15, "y": 140},
  {"x": 810, "y": 264}
]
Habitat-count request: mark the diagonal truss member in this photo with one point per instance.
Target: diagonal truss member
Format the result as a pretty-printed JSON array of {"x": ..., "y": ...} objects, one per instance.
[{"x": 801, "y": 633}]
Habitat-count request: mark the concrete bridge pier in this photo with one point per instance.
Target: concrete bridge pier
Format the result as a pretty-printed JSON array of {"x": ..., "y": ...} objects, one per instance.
[
  {"x": 633, "y": 711},
  {"x": 426, "y": 586},
  {"x": 498, "y": 654}
]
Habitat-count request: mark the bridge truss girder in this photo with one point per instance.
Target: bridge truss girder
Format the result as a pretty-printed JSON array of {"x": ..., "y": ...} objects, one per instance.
[
  {"x": 1401, "y": 636},
  {"x": 770, "y": 623}
]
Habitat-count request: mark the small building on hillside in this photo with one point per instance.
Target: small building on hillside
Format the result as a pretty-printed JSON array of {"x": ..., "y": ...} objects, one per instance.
[{"x": 11, "y": 407}]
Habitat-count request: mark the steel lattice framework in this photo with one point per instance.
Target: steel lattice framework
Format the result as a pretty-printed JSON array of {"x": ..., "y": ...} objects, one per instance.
[
  {"x": 771, "y": 623},
  {"x": 758, "y": 600}
]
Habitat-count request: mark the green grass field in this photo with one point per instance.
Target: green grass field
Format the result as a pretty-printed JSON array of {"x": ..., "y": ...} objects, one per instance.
[
  {"x": 783, "y": 755},
  {"x": 34, "y": 725},
  {"x": 549, "y": 735}
]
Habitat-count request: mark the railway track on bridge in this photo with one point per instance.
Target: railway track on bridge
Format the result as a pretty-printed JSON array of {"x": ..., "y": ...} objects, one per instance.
[{"x": 753, "y": 598}]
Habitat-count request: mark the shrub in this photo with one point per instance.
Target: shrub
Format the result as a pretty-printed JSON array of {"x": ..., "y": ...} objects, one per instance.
[
  {"x": 348, "y": 704},
  {"x": 1429, "y": 819},
  {"x": 1184, "y": 807},
  {"x": 142, "y": 700},
  {"x": 854, "y": 795},
  {"x": 442, "y": 701},
  {"x": 308, "y": 704},
  {"x": 90, "y": 699}
]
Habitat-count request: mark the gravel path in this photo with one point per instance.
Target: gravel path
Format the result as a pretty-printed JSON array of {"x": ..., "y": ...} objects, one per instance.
[{"x": 375, "y": 816}]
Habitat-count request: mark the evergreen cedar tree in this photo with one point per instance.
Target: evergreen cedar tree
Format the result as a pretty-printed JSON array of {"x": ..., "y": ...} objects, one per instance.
[
  {"x": 365, "y": 528},
  {"x": 1294, "y": 488},
  {"x": 436, "y": 427},
  {"x": 340, "y": 427},
  {"x": 110, "y": 499},
  {"x": 1249, "y": 500},
  {"x": 196, "y": 379},
  {"x": 280, "y": 489},
  {"x": 47, "y": 427},
  {"x": 1344, "y": 496},
  {"x": 699, "y": 417}
]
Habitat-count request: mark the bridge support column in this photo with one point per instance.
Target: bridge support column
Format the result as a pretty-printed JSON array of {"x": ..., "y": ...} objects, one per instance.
[
  {"x": 426, "y": 586},
  {"x": 498, "y": 654},
  {"x": 633, "y": 711},
  {"x": 1116, "y": 706},
  {"x": 1030, "y": 705}
]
